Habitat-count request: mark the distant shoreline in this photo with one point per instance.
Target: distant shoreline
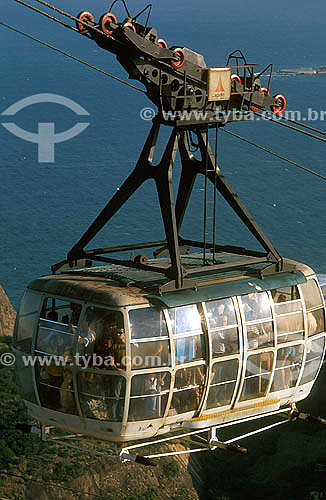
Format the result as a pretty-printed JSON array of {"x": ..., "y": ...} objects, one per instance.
[{"x": 319, "y": 70}]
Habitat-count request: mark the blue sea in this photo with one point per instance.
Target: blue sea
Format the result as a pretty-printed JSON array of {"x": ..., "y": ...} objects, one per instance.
[{"x": 46, "y": 207}]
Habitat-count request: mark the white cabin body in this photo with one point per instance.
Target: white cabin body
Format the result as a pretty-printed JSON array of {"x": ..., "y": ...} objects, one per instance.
[{"x": 234, "y": 347}]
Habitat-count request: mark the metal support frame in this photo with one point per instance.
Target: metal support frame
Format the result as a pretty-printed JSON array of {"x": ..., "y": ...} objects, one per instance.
[
  {"x": 173, "y": 213},
  {"x": 212, "y": 442}
]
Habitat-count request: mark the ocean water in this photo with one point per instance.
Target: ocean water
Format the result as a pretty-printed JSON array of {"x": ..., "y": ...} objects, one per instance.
[{"x": 45, "y": 208}]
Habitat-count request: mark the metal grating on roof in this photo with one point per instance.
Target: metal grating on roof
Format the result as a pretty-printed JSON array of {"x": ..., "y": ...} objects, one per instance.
[{"x": 151, "y": 279}]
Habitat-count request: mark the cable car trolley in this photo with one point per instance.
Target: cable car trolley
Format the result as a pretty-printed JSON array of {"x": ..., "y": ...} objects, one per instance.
[{"x": 201, "y": 336}]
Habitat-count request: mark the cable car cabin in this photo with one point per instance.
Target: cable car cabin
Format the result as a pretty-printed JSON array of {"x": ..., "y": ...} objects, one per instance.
[{"x": 100, "y": 354}]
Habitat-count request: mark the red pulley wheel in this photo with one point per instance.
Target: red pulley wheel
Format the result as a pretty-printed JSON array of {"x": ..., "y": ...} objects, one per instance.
[
  {"x": 236, "y": 78},
  {"x": 105, "y": 22},
  {"x": 264, "y": 91},
  {"x": 86, "y": 17},
  {"x": 182, "y": 59},
  {"x": 280, "y": 106},
  {"x": 162, "y": 43},
  {"x": 130, "y": 26}
]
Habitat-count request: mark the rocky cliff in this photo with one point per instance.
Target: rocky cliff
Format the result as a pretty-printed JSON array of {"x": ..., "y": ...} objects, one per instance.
[
  {"x": 7, "y": 314},
  {"x": 105, "y": 480}
]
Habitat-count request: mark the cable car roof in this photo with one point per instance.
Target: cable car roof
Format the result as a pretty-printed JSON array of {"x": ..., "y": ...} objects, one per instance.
[
  {"x": 115, "y": 285},
  {"x": 229, "y": 289}
]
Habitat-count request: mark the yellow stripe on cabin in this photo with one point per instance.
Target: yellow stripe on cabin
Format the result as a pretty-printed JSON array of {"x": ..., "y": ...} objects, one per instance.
[{"x": 235, "y": 410}]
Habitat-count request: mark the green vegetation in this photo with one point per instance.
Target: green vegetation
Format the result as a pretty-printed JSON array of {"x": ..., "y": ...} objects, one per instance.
[
  {"x": 182, "y": 494},
  {"x": 150, "y": 493},
  {"x": 170, "y": 469},
  {"x": 15, "y": 447}
]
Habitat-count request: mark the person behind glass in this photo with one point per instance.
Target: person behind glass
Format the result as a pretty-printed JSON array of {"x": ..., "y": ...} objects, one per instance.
[
  {"x": 252, "y": 312},
  {"x": 151, "y": 386},
  {"x": 72, "y": 319},
  {"x": 53, "y": 375},
  {"x": 221, "y": 319},
  {"x": 92, "y": 395},
  {"x": 115, "y": 354},
  {"x": 67, "y": 399},
  {"x": 251, "y": 306},
  {"x": 87, "y": 336},
  {"x": 287, "y": 353},
  {"x": 52, "y": 316}
]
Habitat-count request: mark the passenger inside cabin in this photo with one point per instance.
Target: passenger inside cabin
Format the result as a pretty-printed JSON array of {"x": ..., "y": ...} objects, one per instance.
[
  {"x": 87, "y": 337},
  {"x": 287, "y": 355},
  {"x": 92, "y": 392},
  {"x": 190, "y": 383},
  {"x": 67, "y": 399},
  {"x": 52, "y": 316},
  {"x": 115, "y": 353},
  {"x": 220, "y": 343},
  {"x": 251, "y": 306},
  {"x": 151, "y": 386},
  {"x": 73, "y": 318}
]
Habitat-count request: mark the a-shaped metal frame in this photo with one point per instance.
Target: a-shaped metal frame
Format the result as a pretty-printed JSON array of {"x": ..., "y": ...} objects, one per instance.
[{"x": 173, "y": 214}]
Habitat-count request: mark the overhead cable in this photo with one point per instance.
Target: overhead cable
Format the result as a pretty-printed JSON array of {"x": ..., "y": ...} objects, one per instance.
[
  {"x": 274, "y": 154},
  {"x": 266, "y": 117},
  {"x": 71, "y": 56}
]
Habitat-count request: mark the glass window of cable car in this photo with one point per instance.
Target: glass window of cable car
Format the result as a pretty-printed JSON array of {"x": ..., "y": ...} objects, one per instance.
[
  {"x": 55, "y": 383},
  {"x": 100, "y": 334},
  {"x": 257, "y": 376},
  {"x": 54, "y": 346},
  {"x": 26, "y": 321},
  {"x": 188, "y": 387},
  {"x": 149, "y": 395},
  {"x": 101, "y": 339},
  {"x": 257, "y": 311},
  {"x": 323, "y": 289},
  {"x": 315, "y": 352},
  {"x": 24, "y": 379},
  {"x": 102, "y": 397},
  {"x": 222, "y": 383},
  {"x": 223, "y": 327},
  {"x": 289, "y": 314},
  {"x": 149, "y": 338},
  {"x": 288, "y": 366},
  {"x": 314, "y": 306},
  {"x": 188, "y": 335},
  {"x": 56, "y": 330}
]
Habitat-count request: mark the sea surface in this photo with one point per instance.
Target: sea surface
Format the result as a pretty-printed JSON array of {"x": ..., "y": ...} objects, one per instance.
[{"x": 45, "y": 208}]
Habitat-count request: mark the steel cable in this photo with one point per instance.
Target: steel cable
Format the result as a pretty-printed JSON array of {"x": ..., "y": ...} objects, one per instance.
[
  {"x": 71, "y": 56},
  {"x": 274, "y": 154},
  {"x": 64, "y": 14},
  {"x": 289, "y": 126},
  {"x": 47, "y": 15},
  {"x": 304, "y": 125}
]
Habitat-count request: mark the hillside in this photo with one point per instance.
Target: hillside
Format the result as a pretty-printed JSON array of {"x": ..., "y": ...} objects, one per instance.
[{"x": 7, "y": 314}]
